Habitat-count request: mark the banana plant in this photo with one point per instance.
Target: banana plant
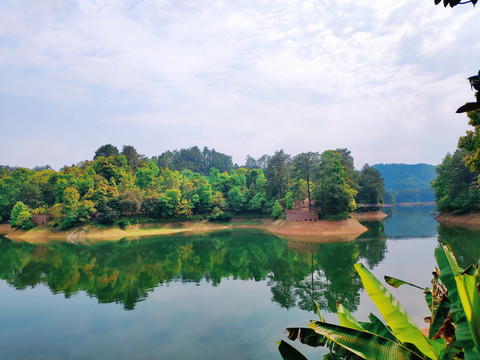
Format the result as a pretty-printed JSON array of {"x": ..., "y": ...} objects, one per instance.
[{"x": 454, "y": 322}]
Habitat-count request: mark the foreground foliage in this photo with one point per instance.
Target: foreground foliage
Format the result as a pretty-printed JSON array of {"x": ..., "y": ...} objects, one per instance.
[{"x": 454, "y": 331}]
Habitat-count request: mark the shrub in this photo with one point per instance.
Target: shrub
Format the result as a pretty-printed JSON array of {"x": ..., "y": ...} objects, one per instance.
[
  {"x": 276, "y": 209},
  {"x": 123, "y": 223},
  {"x": 24, "y": 220},
  {"x": 21, "y": 216},
  {"x": 219, "y": 215}
]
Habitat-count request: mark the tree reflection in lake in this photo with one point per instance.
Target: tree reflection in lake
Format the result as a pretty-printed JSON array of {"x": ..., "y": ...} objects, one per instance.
[
  {"x": 126, "y": 272},
  {"x": 372, "y": 245},
  {"x": 465, "y": 243}
]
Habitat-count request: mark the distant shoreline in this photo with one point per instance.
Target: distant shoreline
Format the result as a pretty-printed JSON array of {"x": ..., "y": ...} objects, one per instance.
[
  {"x": 304, "y": 231},
  {"x": 405, "y": 204}
]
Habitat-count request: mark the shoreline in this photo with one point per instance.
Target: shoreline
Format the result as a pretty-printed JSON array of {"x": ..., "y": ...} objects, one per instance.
[
  {"x": 305, "y": 231},
  {"x": 376, "y": 215},
  {"x": 470, "y": 221}
]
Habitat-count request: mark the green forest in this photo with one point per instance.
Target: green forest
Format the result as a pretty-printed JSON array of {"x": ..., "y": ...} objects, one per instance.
[
  {"x": 457, "y": 188},
  {"x": 121, "y": 187},
  {"x": 407, "y": 182}
]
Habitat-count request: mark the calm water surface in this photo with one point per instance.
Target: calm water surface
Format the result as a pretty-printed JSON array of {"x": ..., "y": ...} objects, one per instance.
[{"x": 225, "y": 295}]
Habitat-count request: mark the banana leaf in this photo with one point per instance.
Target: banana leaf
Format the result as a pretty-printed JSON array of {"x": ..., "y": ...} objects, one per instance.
[
  {"x": 317, "y": 305},
  {"x": 332, "y": 356},
  {"x": 365, "y": 344},
  {"x": 468, "y": 292},
  {"x": 449, "y": 269},
  {"x": 288, "y": 352},
  {"x": 440, "y": 308},
  {"x": 402, "y": 325},
  {"x": 377, "y": 327},
  {"x": 306, "y": 336},
  {"x": 346, "y": 318},
  {"x": 397, "y": 282}
]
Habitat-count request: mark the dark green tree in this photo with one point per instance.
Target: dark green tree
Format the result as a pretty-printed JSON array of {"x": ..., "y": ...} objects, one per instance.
[
  {"x": 235, "y": 199},
  {"x": 250, "y": 163},
  {"x": 456, "y": 187},
  {"x": 165, "y": 160},
  {"x": 471, "y": 142},
  {"x": 306, "y": 166},
  {"x": 371, "y": 186},
  {"x": 262, "y": 161},
  {"x": 106, "y": 151},
  {"x": 346, "y": 159},
  {"x": 134, "y": 159},
  {"x": 277, "y": 173},
  {"x": 332, "y": 194}
]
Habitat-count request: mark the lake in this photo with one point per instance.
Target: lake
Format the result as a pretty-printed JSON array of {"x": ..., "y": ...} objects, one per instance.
[{"x": 225, "y": 295}]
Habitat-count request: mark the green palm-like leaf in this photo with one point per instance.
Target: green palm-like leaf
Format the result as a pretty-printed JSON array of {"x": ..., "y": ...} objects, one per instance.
[
  {"x": 306, "y": 336},
  {"x": 440, "y": 308},
  {"x": 402, "y": 325},
  {"x": 347, "y": 319},
  {"x": 376, "y": 326},
  {"x": 449, "y": 269},
  {"x": 397, "y": 282},
  {"x": 468, "y": 292},
  {"x": 317, "y": 305},
  {"x": 365, "y": 344},
  {"x": 288, "y": 352}
]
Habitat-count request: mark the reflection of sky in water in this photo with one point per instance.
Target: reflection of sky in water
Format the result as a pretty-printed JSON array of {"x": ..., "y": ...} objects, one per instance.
[{"x": 417, "y": 221}]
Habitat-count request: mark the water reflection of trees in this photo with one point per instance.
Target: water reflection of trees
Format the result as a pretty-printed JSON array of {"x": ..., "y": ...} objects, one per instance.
[
  {"x": 126, "y": 272},
  {"x": 465, "y": 243},
  {"x": 327, "y": 275}
]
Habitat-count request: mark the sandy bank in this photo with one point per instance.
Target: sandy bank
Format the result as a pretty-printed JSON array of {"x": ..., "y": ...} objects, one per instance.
[
  {"x": 5, "y": 229},
  {"x": 315, "y": 231},
  {"x": 369, "y": 215},
  {"x": 471, "y": 221}
]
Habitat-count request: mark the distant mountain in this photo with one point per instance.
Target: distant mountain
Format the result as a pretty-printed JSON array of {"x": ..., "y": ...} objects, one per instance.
[{"x": 407, "y": 183}]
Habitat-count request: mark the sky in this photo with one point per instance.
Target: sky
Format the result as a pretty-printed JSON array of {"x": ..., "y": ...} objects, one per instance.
[{"x": 246, "y": 77}]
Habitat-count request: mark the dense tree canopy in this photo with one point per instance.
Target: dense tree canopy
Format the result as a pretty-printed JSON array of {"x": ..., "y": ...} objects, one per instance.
[
  {"x": 305, "y": 167},
  {"x": 456, "y": 187},
  {"x": 471, "y": 142},
  {"x": 371, "y": 189},
  {"x": 119, "y": 187},
  {"x": 332, "y": 194},
  {"x": 277, "y": 173},
  {"x": 194, "y": 159},
  {"x": 106, "y": 151}
]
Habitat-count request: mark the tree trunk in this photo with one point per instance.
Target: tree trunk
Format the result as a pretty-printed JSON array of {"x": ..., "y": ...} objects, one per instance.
[{"x": 308, "y": 192}]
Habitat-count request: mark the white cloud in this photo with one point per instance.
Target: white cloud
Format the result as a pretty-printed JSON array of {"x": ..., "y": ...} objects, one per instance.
[{"x": 255, "y": 72}]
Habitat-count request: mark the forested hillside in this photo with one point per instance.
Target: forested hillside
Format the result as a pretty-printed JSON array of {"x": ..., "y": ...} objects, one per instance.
[
  {"x": 119, "y": 187},
  {"x": 457, "y": 187},
  {"x": 408, "y": 183}
]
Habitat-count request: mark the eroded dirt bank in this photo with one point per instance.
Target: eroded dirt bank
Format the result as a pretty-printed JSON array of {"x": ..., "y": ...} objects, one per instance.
[
  {"x": 314, "y": 231},
  {"x": 468, "y": 220},
  {"x": 369, "y": 215}
]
